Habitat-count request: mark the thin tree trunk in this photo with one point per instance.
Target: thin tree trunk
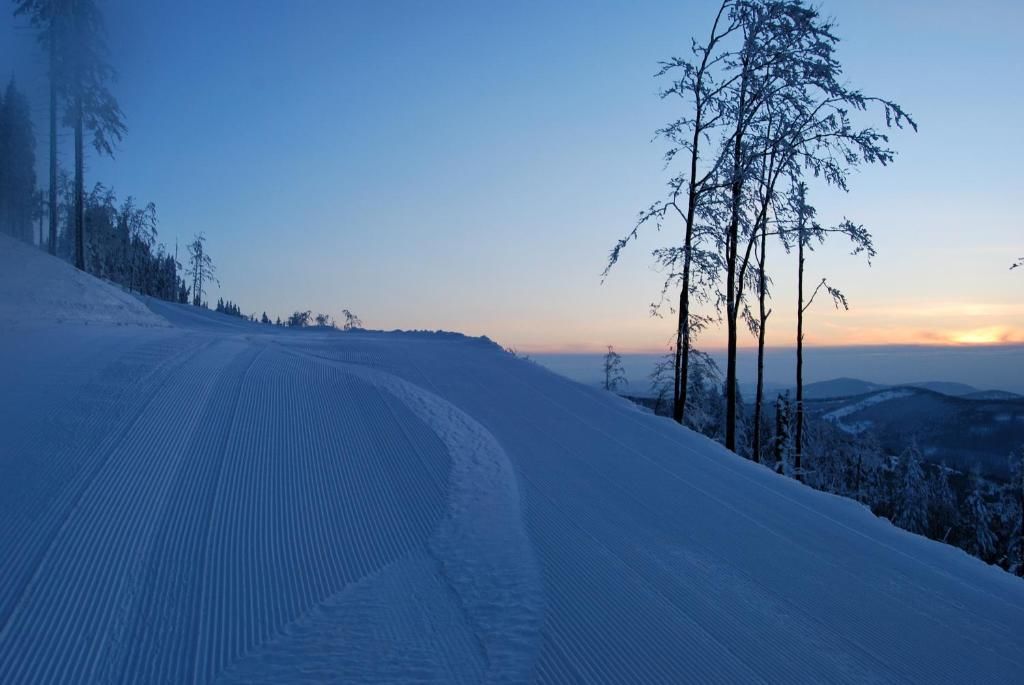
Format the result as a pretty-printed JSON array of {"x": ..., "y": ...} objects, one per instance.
[
  {"x": 1020, "y": 522},
  {"x": 732, "y": 250},
  {"x": 53, "y": 136},
  {"x": 683, "y": 330},
  {"x": 79, "y": 189},
  {"x": 759, "y": 398},
  {"x": 779, "y": 432},
  {"x": 732, "y": 306},
  {"x": 679, "y": 370},
  {"x": 682, "y": 369},
  {"x": 856, "y": 484},
  {"x": 798, "y": 449}
]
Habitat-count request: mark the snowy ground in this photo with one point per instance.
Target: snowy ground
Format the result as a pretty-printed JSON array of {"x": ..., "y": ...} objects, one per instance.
[
  {"x": 36, "y": 288},
  {"x": 218, "y": 501}
]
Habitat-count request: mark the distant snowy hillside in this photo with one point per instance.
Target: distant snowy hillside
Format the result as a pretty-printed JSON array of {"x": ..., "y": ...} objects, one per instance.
[
  {"x": 36, "y": 288},
  {"x": 242, "y": 503},
  {"x": 980, "y": 429}
]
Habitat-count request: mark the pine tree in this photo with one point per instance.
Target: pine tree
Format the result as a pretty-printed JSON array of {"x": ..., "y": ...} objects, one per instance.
[
  {"x": 912, "y": 493},
  {"x": 942, "y": 505},
  {"x": 782, "y": 442},
  {"x": 978, "y": 538},
  {"x": 73, "y": 34},
  {"x": 91, "y": 107},
  {"x": 1015, "y": 490},
  {"x": 17, "y": 164},
  {"x": 50, "y": 19}
]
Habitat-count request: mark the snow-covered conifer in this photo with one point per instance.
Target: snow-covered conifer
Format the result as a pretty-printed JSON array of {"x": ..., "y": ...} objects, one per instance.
[
  {"x": 942, "y": 504},
  {"x": 911, "y": 504},
  {"x": 978, "y": 538}
]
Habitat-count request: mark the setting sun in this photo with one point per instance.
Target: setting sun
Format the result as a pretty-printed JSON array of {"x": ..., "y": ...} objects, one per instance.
[{"x": 985, "y": 336}]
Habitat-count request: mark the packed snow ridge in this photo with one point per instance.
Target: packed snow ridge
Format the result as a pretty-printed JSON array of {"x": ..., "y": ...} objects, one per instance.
[{"x": 208, "y": 500}]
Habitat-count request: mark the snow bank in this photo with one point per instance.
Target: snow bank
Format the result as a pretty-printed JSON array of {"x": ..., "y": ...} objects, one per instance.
[
  {"x": 37, "y": 288},
  {"x": 482, "y": 546}
]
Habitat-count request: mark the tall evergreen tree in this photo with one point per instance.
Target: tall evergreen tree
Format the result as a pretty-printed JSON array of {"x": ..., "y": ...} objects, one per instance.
[
  {"x": 1015, "y": 548},
  {"x": 50, "y": 19},
  {"x": 17, "y": 164},
  {"x": 978, "y": 538},
  {"x": 912, "y": 493},
  {"x": 91, "y": 106},
  {"x": 942, "y": 506}
]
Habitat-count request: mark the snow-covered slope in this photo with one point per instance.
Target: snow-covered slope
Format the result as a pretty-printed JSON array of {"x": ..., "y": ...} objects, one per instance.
[
  {"x": 36, "y": 288},
  {"x": 205, "y": 503}
]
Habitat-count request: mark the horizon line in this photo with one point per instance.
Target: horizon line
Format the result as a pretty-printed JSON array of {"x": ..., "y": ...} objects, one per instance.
[{"x": 529, "y": 349}]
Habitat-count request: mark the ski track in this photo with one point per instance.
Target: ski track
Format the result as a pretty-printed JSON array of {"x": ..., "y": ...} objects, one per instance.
[
  {"x": 226, "y": 502},
  {"x": 246, "y": 487}
]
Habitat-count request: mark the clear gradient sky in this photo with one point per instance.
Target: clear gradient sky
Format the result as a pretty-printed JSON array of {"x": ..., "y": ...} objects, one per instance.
[{"x": 468, "y": 165}]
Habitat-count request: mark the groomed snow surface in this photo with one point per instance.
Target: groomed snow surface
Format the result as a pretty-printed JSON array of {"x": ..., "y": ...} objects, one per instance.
[{"x": 208, "y": 500}]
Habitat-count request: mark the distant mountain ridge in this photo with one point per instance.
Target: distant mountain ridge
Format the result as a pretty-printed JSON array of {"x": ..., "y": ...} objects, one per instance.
[{"x": 851, "y": 387}]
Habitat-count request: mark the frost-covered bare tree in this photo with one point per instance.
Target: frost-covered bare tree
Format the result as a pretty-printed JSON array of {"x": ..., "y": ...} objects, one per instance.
[
  {"x": 200, "y": 268},
  {"x": 696, "y": 85},
  {"x": 614, "y": 375},
  {"x": 764, "y": 101},
  {"x": 805, "y": 231},
  {"x": 352, "y": 322},
  {"x": 791, "y": 115}
]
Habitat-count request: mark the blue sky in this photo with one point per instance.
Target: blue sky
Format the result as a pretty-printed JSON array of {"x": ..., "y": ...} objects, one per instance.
[{"x": 467, "y": 165}]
